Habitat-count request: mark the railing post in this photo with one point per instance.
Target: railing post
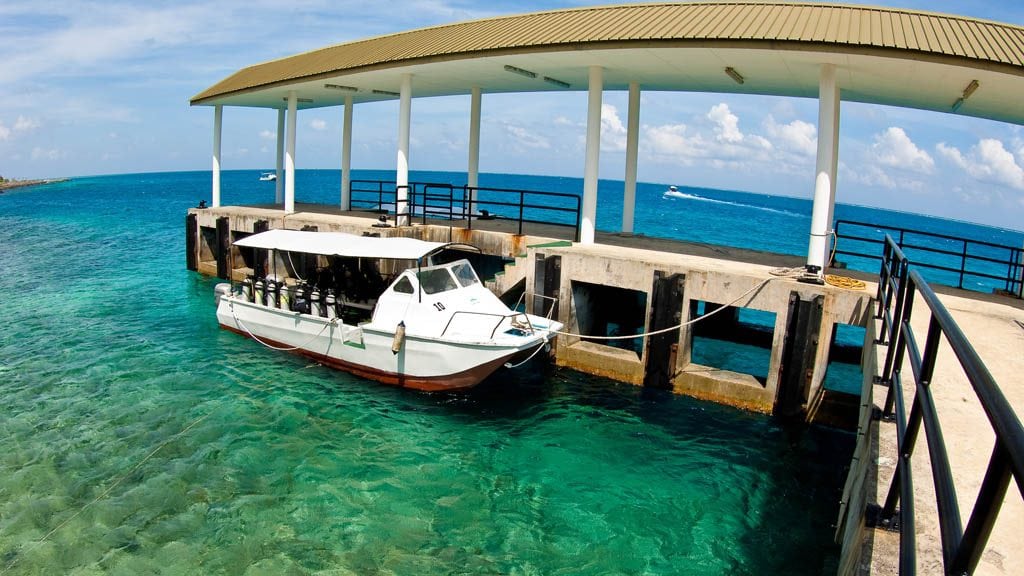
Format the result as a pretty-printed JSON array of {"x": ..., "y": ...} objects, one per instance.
[
  {"x": 522, "y": 200},
  {"x": 963, "y": 264}
]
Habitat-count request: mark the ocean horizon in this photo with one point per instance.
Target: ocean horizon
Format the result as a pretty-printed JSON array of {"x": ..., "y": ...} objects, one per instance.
[{"x": 142, "y": 438}]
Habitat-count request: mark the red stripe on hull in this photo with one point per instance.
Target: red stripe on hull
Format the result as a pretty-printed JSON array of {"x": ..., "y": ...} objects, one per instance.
[{"x": 451, "y": 382}]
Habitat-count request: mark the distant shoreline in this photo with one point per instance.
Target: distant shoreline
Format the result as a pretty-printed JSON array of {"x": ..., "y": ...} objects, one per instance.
[{"x": 12, "y": 184}]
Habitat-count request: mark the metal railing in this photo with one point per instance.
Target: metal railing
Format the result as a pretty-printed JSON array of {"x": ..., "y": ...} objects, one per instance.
[
  {"x": 467, "y": 204},
  {"x": 954, "y": 257},
  {"x": 961, "y": 547}
]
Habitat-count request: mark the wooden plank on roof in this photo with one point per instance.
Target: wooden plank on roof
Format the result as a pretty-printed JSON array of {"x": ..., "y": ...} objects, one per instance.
[{"x": 820, "y": 31}]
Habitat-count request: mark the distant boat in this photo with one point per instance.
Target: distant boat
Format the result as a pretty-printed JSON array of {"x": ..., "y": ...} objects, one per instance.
[
  {"x": 268, "y": 177},
  {"x": 674, "y": 192}
]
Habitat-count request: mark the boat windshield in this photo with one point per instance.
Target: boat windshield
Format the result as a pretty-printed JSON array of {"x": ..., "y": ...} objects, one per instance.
[
  {"x": 465, "y": 275},
  {"x": 437, "y": 280}
]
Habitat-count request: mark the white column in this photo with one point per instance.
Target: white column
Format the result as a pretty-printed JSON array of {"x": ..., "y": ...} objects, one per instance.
[
  {"x": 289, "y": 159},
  {"x": 218, "y": 114},
  {"x": 346, "y": 156},
  {"x": 824, "y": 181},
  {"x": 589, "y": 215},
  {"x": 473, "y": 170},
  {"x": 279, "y": 183},
  {"x": 402, "y": 172},
  {"x": 632, "y": 144}
]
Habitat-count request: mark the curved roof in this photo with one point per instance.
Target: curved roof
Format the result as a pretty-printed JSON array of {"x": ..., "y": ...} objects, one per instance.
[{"x": 887, "y": 56}]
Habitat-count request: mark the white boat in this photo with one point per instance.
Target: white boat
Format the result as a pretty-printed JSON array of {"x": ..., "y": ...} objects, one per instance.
[
  {"x": 268, "y": 177},
  {"x": 434, "y": 327}
]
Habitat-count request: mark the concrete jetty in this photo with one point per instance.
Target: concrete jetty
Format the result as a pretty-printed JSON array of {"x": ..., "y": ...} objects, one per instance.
[{"x": 591, "y": 283}]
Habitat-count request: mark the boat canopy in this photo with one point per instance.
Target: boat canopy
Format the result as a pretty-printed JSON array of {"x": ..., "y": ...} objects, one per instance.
[{"x": 341, "y": 244}]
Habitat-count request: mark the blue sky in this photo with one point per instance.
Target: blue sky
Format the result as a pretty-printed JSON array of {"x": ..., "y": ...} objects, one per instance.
[{"x": 103, "y": 88}]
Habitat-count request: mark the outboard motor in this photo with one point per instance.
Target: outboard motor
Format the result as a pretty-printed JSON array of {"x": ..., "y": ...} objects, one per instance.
[
  {"x": 220, "y": 290},
  {"x": 331, "y": 304},
  {"x": 314, "y": 304}
]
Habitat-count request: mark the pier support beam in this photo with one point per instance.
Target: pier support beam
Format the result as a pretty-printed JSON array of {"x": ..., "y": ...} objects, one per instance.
[
  {"x": 825, "y": 174},
  {"x": 346, "y": 156},
  {"x": 666, "y": 311},
  {"x": 547, "y": 281},
  {"x": 589, "y": 216},
  {"x": 223, "y": 247},
  {"x": 473, "y": 169},
  {"x": 803, "y": 332},
  {"x": 632, "y": 144},
  {"x": 218, "y": 115},
  {"x": 279, "y": 160},
  {"x": 289, "y": 161},
  {"x": 402, "y": 170}
]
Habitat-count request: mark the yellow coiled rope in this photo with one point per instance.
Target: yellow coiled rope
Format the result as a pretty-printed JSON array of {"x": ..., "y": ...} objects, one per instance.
[{"x": 845, "y": 282}]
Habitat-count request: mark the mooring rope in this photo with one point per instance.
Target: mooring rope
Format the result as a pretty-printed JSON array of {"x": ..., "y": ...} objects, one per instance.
[
  {"x": 333, "y": 321},
  {"x": 528, "y": 358},
  {"x": 776, "y": 273},
  {"x": 106, "y": 492}
]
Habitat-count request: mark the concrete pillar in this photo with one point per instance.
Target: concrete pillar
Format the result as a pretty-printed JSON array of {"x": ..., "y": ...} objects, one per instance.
[
  {"x": 346, "y": 156},
  {"x": 632, "y": 144},
  {"x": 402, "y": 171},
  {"x": 825, "y": 172},
  {"x": 289, "y": 160},
  {"x": 589, "y": 216},
  {"x": 473, "y": 170},
  {"x": 279, "y": 160},
  {"x": 218, "y": 115}
]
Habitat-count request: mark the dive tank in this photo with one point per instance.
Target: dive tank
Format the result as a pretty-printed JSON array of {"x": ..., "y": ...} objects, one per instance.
[
  {"x": 283, "y": 296},
  {"x": 329, "y": 304},
  {"x": 258, "y": 292},
  {"x": 247, "y": 289},
  {"x": 314, "y": 304}
]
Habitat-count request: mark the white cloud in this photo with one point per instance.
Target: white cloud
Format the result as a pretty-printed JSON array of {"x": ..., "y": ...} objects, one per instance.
[
  {"x": 670, "y": 141},
  {"x": 613, "y": 132},
  {"x": 5, "y": 132},
  {"x": 726, "y": 123},
  {"x": 798, "y": 136},
  {"x": 988, "y": 161},
  {"x": 43, "y": 154},
  {"x": 894, "y": 148},
  {"x": 318, "y": 124},
  {"x": 23, "y": 124},
  {"x": 524, "y": 138},
  {"x": 267, "y": 135}
]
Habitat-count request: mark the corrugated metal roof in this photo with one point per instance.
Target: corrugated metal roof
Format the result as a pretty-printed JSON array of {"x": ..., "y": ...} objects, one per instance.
[{"x": 819, "y": 27}]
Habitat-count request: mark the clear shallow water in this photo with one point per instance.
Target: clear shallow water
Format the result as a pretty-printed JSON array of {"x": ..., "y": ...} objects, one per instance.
[{"x": 205, "y": 453}]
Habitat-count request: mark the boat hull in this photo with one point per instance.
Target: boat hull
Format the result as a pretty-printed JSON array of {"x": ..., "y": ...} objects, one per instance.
[{"x": 428, "y": 364}]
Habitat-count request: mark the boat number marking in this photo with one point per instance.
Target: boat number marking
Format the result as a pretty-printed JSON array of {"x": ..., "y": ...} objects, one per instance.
[{"x": 439, "y": 306}]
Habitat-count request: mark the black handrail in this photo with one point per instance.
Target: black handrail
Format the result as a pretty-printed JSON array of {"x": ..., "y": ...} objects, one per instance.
[
  {"x": 971, "y": 260},
  {"x": 961, "y": 548},
  {"x": 462, "y": 203}
]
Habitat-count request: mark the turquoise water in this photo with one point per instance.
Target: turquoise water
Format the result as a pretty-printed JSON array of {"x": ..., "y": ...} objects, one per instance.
[{"x": 141, "y": 439}]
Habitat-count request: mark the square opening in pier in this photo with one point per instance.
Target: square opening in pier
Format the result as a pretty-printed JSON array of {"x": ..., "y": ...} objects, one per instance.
[
  {"x": 844, "y": 372},
  {"x": 732, "y": 338},
  {"x": 610, "y": 311},
  {"x": 207, "y": 244}
]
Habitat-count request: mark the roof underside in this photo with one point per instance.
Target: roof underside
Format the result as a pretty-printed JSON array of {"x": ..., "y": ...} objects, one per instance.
[{"x": 883, "y": 56}]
